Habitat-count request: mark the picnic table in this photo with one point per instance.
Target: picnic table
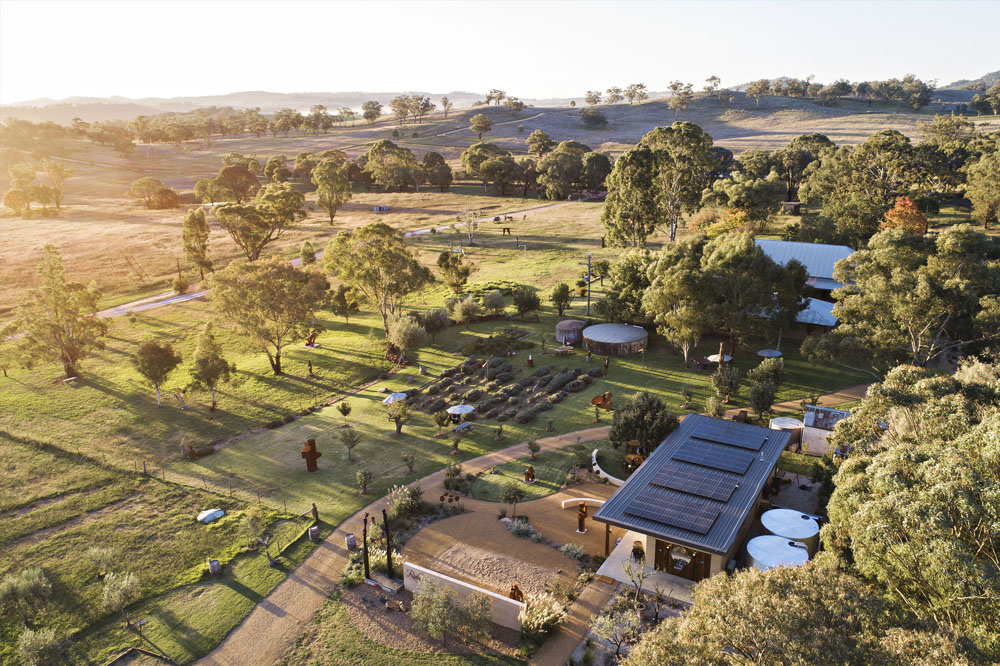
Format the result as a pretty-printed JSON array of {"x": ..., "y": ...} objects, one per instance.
[
  {"x": 461, "y": 429},
  {"x": 565, "y": 349}
]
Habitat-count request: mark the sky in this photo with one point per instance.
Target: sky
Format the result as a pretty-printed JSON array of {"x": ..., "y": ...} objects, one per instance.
[{"x": 537, "y": 49}]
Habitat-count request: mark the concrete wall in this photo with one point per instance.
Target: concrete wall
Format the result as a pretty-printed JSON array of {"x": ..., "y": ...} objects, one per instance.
[
  {"x": 601, "y": 473},
  {"x": 505, "y": 610}
]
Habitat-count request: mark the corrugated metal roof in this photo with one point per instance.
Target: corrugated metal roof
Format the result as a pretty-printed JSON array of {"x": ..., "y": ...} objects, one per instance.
[
  {"x": 733, "y": 513},
  {"x": 817, "y": 312},
  {"x": 818, "y": 258},
  {"x": 615, "y": 333},
  {"x": 823, "y": 283}
]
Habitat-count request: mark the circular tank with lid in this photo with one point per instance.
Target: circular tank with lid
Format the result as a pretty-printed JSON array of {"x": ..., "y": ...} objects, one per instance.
[
  {"x": 789, "y": 425},
  {"x": 769, "y": 551},
  {"x": 792, "y": 525}
]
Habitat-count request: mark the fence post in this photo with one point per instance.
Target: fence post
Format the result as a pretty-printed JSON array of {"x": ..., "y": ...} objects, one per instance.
[{"x": 258, "y": 498}]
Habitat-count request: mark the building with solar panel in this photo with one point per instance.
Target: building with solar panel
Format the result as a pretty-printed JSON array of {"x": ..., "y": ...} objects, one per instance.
[{"x": 689, "y": 507}]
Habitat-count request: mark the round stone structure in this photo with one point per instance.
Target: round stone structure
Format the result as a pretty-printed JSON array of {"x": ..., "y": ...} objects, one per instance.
[
  {"x": 615, "y": 339},
  {"x": 570, "y": 331}
]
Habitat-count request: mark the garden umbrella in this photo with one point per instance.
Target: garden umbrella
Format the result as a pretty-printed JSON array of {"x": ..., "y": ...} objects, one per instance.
[
  {"x": 714, "y": 358},
  {"x": 395, "y": 397},
  {"x": 769, "y": 353},
  {"x": 458, "y": 410}
]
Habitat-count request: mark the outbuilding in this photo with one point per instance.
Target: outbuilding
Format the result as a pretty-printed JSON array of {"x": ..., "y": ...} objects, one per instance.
[
  {"x": 570, "y": 331},
  {"x": 615, "y": 339}
]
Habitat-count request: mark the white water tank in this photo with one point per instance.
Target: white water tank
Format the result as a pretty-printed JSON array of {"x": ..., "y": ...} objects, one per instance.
[
  {"x": 769, "y": 551},
  {"x": 787, "y": 424},
  {"x": 792, "y": 525}
]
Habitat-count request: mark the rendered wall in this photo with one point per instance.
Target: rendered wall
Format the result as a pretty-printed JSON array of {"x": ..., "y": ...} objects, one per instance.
[{"x": 505, "y": 610}]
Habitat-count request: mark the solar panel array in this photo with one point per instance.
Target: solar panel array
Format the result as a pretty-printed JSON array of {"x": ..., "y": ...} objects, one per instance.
[
  {"x": 690, "y": 490},
  {"x": 716, "y": 456},
  {"x": 684, "y": 512},
  {"x": 731, "y": 433},
  {"x": 696, "y": 481}
]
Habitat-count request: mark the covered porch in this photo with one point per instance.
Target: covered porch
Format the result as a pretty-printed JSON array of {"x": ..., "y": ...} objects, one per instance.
[{"x": 673, "y": 586}]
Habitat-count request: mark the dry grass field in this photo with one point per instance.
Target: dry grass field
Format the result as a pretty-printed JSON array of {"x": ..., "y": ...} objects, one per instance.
[{"x": 132, "y": 252}]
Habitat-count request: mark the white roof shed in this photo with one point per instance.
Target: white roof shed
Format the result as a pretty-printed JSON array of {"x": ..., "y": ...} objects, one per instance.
[{"x": 818, "y": 258}]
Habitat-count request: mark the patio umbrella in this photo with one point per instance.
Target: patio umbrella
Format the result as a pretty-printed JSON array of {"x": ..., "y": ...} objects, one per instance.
[
  {"x": 714, "y": 358},
  {"x": 769, "y": 353},
  {"x": 395, "y": 397},
  {"x": 458, "y": 410}
]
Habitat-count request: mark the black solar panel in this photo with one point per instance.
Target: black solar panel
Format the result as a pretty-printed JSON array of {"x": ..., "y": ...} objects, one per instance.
[
  {"x": 696, "y": 481},
  {"x": 732, "y": 433},
  {"x": 716, "y": 456},
  {"x": 686, "y": 513}
]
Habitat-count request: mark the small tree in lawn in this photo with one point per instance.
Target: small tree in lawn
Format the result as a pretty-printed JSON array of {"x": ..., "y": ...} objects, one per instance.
[
  {"x": 344, "y": 408},
  {"x": 533, "y": 448},
  {"x": 435, "y": 321},
  {"x": 479, "y": 616},
  {"x": 307, "y": 253},
  {"x": 494, "y": 302},
  {"x": 155, "y": 361},
  {"x": 726, "y": 381},
  {"x": 512, "y": 493},
  {"x": 442, "y": 418},
  {"x": 714, "y": 407},
  {"x": 42, "y": 648},
  {"x": 120, "y": 590},
  {"x": 762, "y": 396},
  {"x": 344, "y": 302},
  {"x": 619, "y": 626},
  {"x": 405, "y": 333},
  {"x": 526, "y": 300},
  {"x": 409, "y": 461},
  {"x": 364, "y": 479},
  {"x": 350, "y": 438},
  {"x": 480, "y": 124},
  {"x": 400, "y": 413},
  {"x": 466, "y": 310},
  {"x": 210, "y": 366},
  {"x": 102, "y": 559},
  {"x": 561, "y": 297},
  {"x": 24, "y": 591}
]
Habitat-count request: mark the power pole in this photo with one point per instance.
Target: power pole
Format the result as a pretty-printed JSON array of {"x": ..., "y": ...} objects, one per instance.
[{"x": 587, "y": 264}]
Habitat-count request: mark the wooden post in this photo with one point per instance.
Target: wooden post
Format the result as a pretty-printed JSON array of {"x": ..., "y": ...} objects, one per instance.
[
  {"x": 364, "y": 546},
  {"x": 388, "y": 544},
  {"x": 607, "y": 539},
  {"x": 144, "y": 473},
  {"x": 258, "y": 498}
]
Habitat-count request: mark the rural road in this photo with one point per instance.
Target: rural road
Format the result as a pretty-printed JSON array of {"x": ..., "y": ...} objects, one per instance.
[{"x": 170, "y": 298}]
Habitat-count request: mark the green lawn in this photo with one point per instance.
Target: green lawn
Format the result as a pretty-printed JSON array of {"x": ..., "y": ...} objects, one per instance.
[
  {"x": 551, "y": 468},
  {"x": 611, "y": 460},
  {"x": 151, "y": 527},
  {"x": 331, "y": 640}
]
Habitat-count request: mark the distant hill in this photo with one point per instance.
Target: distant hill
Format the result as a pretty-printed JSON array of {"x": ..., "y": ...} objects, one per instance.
[
  {"x": 93, "y": 109},
  {"x": 982, "y": 83}
]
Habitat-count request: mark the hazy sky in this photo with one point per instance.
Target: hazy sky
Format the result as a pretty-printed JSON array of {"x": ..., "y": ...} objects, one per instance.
[{"x": 139, "y": 48}]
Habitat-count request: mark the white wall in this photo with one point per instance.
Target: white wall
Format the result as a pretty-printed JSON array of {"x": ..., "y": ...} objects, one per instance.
[{"x": 505, "y": 610}]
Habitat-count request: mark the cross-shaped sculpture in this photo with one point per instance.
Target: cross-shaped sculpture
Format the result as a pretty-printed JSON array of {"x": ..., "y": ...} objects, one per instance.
[{"x": 310, "y": 453}]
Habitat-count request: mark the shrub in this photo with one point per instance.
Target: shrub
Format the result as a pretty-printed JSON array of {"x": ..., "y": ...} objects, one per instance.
[
  {"x": 576, "y": 386},
  {"x": 770, "y": 370},
  {"x": 595, "y": 373},
  {"x": 645, "y": 418},
  {"x": 434, "y": 389},
  {"x": 726, "y": 381},
  {"x": 180, "y": 284},
  {"x": 520, "y": 527},
  {"x": 494, "y": 302},
  {"x": 526, "y": 415},
  {"x": 543, "y": 406},
  {"x": 42, "y": 647},
  {"x": 288, "y": 418},
  {"x": 472, "y": 395},
  {"x": 555, "y": 398},
  {"x": 276, "y": 423},
  {"x": 540, "y": 615},
  {"x": 714, "y": 407},
  {"x": 435, "y": 405},
  {"x": 495, "y": 361},
  {"x": 525, "y": 382},
  {"x": 574, "y": 551},
  {"x": 164, "y": 198},
  {"x": 762, "y": 396},
  {"x": 404, "y": 501},
  {"x": 493, "y": 413},
  {"x": 504, "y": 377},
  {"x": 560, "y": 380}
]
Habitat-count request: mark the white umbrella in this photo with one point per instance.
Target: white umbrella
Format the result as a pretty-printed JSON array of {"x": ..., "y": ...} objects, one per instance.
[
  {"x": 458, "y": 410},
  {"x": 714, "y": 358},
  {"x": 769, "y": 353},
  {"x": 395, "y": 397}
]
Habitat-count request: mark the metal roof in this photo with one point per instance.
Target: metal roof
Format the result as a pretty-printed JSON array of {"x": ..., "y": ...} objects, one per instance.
[
  {"x": 818, "y": 258},
  {"x": 615, "y": 333},
  {"x": 817, "y": 312},
  {"x": 718, "y": 442}
]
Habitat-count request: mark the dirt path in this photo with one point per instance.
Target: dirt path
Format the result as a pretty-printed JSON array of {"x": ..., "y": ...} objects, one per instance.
[
  {"x": 506, "y": 122},
  {"x": 843, "y": 396},
  {"x": 277, "y": 621}
]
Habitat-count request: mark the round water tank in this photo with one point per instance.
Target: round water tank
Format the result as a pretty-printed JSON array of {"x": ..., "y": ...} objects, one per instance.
[
  {"x": 792, "y": 525},
  {"x": 769, "y": 551},
  {"x": 789, "y": 425}
]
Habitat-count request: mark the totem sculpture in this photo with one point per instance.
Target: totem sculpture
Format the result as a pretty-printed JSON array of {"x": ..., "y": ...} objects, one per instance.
[
  {"x": 310, "y": 453},
  {"x": 581, "y": 519}
]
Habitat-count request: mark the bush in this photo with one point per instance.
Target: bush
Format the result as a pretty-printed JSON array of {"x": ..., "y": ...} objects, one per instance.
[
  {"x": 434, "y": 389},
  {"x": 164, "y": 198},
  {"x": 495, "y": 361},
  {"x": 560, "y": 380},
  {"x": 770, "y": 370},
  {"x": 494, "y": 302},
  {"x": 543, "y": 406},
  {"x": 526, "y": 415},
  {"x": 505, "y": 377},
  {"x": 574, "y": 551},
  {"x": 762, "y": 396},
  {"x": 435, "y": 406},
  {"x": 595, "y": 373},
  {"x": 540, "y": 615},
  {"x": 472, "y": 395},
  {"x": 493, "y": 413},
  {"x": 288, "y": 418},
  {"x": 180, "y": 284},
  {"x": 714, "y": 407},
  {"x": 555, "y": 398},
  {"x": 404, "y": 501},
  {"x": 726, "y": 381},
  {"x": 576, "y": 386},
  {"x": 276, "y": 423},
  {"x": 520, "y": 527}
]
